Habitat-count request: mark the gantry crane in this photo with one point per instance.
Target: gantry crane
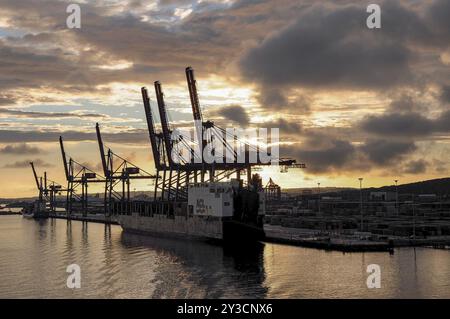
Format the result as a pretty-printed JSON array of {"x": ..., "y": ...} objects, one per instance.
[
  {"x": 118, "y": 170},
  {"x": 77, "y": 176},
  {"x": 48, "y": 189}
]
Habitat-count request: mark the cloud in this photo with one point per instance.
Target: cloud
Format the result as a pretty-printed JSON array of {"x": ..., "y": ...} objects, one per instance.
[
  {"x": 397, "y": 124},
  {"x": 415, "y": 167},
  {"x": 15, "y": 136},
  {"x": 325, "y": 153},
  {"x": 330, "y": 48},
  {"x": 285, "y": 126},
  {"x": 383, "y": 152},
  {"x": 406, "y": 124},
  {"x": 406, "y": 104},
  {"x": 273, "y": 98},
  {"x": 440, "y": 166},
  {"x": 234, "y": 113},
  {"x": 95, "y": 166},
  {"x": 26, "y": 163},
  {"x": 445, "y": 94},
  {"x": 321, "y": 154},
  {"x": 20, "y": 149},
  {"x": 30, "y": 114},
  {"x": 7, "y": 100}
]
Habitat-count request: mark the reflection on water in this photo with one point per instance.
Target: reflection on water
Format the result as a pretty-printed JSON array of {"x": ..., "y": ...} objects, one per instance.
[
  {"x": 193, "y": 269},
  {"x": 35, "y": 254}
]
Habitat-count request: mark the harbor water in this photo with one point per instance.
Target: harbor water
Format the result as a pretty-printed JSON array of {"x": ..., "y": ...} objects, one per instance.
[{"x": 34, "y": 256}]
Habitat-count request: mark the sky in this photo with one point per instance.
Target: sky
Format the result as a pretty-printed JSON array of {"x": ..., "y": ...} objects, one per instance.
[{"x": 350, "y": 101}]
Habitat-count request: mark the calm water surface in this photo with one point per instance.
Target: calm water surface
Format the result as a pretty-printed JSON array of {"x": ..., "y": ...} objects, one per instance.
[{"x": 34, "y": 256}]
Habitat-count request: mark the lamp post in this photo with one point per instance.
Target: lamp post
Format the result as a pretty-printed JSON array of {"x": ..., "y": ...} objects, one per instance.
[
  {"x": 361, "y": 201},
  {"x": 396, "y": 197},
  {"x": 414, "y": 218},
  {"x": 318, "y": 186}
]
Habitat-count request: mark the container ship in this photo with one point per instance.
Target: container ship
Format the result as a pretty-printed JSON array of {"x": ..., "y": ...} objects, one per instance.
[{"x": 216, "y": 211}]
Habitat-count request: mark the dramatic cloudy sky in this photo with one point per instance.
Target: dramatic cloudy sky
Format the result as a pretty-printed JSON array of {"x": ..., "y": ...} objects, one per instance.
[{"x": 349, "y": 101}]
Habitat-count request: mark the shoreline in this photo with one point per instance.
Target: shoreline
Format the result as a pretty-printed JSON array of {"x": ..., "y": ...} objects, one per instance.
[{"x": 301, "y": 237}]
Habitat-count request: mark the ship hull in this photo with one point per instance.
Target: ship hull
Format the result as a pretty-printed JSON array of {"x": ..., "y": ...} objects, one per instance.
[
  {"x": 222, "y": 230},
  {"x": 40, "y": 215}
]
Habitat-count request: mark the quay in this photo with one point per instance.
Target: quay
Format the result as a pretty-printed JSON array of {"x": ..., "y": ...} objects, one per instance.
[
  {"x": 302, "y": 237},
  {"x": 102, "y": 219},
  {"x": 356, "y": 243},
  {"x": 9, "y": 213}
]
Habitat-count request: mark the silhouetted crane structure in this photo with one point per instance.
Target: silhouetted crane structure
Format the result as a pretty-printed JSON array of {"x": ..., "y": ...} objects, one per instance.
[
  {"x": 118, "y": 170},
  {"x": 48, "y": 189},
  {"x": 272, "y": 191},
  {"x": 177, "y": 175},
  {"x": 174, "y": 172},
  {"x": 78, "y": 176}
]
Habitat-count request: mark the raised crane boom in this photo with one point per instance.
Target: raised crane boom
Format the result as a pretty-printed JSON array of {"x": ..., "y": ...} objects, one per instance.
[
  {"x": 164, "y": 121},
  {"x": 151, "y": 128},
  {"x": 36, "y": 179},
  {"x": 102, "y": 150},
  {"x": 64, "y": 158},
  {"x": 192, "y": 85}
]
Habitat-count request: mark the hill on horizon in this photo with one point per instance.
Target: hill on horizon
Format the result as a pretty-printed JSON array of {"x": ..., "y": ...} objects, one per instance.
[{"x": 439, "y": 186}]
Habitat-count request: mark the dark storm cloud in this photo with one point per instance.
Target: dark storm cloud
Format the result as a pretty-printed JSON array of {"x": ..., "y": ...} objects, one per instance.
[
  {"x": 20, "y": 149},
  {"x": 329, "y": 48},
  {"x": 234, "y": 113},
  {"x": 438, "y": 14},
  {"x": 325, "y": 153},
  {"x": 285, "y": 126},
  {"x": 26, "y": 163},
  {"x": 383, "y": 152},
  {"x": 412, "y": 124},
  {"x": 270, "y": 97},
  {"x": 406, "y": 104},
  {"x": 415, "y": 167},
  {"x": 406, "y": 124},
  {"x": 274, "y": 98},
  {"x": 445, "y": 94},
  {"x": 321, "y": 154}
]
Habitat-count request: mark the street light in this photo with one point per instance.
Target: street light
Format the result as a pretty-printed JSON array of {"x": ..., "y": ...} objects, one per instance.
[
  {"x": 318, "y": 185},
  {"x": 414, "y": 222},
  {"x": 396, "y": 196},
  {"x": 361, "y": 200}
]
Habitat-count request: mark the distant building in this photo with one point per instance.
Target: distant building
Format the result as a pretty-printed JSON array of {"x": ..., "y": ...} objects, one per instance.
[
  {"x": 382, "y": 196},
  {"x": 428, "y": 197}
]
